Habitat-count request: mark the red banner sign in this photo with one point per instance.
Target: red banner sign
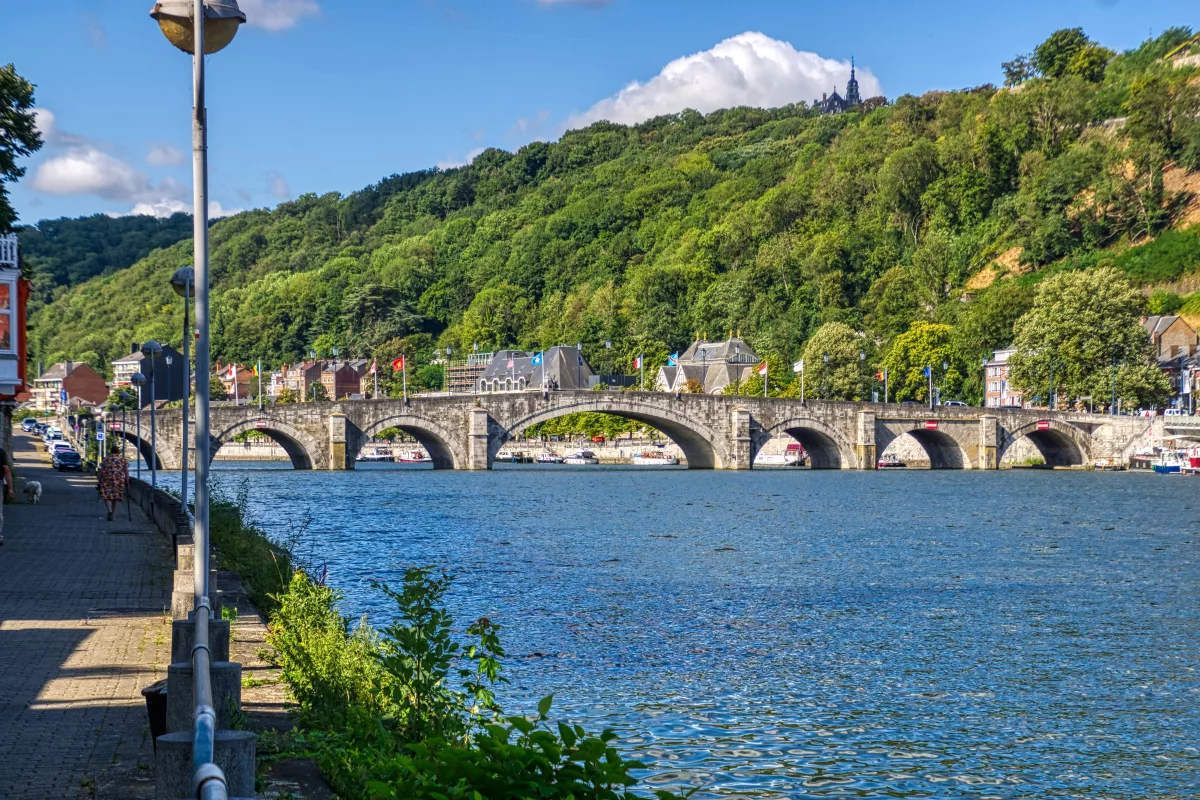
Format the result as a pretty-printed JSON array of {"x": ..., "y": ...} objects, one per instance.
[
  {"x": 931, "y": 425},
  {"x": 114, "y": 426},
  {"x": 262, "y": 423},
  {"x": 1043, "y": 425}
]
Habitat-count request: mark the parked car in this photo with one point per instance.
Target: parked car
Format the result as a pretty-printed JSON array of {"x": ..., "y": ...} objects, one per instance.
[
  {"x": 954, "y": 403},
  {"x": 67, "y": 459},
  {"x": 59, "y": 446},
  {"x": 28, "y": 424},
  {"x": 1177, "y": 412}
]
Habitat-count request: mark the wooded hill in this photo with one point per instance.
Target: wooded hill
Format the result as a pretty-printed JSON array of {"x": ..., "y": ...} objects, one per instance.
[{"x": 768, "y": 222}]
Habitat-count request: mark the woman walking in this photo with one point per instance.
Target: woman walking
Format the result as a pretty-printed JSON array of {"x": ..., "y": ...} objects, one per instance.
[{"x": 113, "y": 477}]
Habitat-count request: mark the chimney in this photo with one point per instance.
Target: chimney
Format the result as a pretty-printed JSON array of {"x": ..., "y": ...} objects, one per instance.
[
  {"x": 133, "y": 349},
  {"x": 823, "y": 97}
]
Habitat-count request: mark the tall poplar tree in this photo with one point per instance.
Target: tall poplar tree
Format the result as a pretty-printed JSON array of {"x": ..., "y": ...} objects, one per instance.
[{"x": 18, "y": 136}]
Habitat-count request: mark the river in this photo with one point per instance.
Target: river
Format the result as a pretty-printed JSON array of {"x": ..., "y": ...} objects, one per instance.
[{"x": 1016, "y": 634}]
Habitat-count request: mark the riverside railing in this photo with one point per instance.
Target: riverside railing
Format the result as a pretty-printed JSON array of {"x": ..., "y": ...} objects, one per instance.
[{"x": 207, "y": 778}]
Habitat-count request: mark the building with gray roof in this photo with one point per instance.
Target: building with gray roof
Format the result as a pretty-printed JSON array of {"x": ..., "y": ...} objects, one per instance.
[{"x": 560, "y": 368}]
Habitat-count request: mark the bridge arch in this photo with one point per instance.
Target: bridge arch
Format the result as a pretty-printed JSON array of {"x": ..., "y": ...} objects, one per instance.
[
  {"x": 944, "y": 450},
  {"x": 443, "y": 447},
  {"x": 703, "y": 447},
  {"x": 1060, "y": 444},
  {"x": 826, "y": 446},
  {"x": 304, "y": 451},
  {"x": 163, "y": 459}
]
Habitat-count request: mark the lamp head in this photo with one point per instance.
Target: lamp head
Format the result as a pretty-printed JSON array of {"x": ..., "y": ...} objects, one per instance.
[
  {"x": 138, "y": 379},
  {"x": 151, "y": 349},
  {"x": 221, "y": 21},
  {"x": 170, "y": 361},
  {"x": 184, "y": 282}
]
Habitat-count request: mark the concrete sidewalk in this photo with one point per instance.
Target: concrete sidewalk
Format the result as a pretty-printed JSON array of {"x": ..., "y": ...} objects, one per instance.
[{"x": 84, "y": 626}]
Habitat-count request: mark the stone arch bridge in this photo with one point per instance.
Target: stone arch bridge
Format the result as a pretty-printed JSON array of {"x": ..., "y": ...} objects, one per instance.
[{"x": 714, "y": 431}]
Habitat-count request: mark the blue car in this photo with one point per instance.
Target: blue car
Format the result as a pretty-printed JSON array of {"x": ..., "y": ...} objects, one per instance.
[{"x": 28, "y": 424}]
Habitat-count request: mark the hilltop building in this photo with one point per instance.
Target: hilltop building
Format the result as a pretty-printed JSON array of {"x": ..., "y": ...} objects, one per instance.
[
  {"x": 710, "y": 365},
  {"x": 835, "y": 103},
  {"x": 560, "y": 368}
]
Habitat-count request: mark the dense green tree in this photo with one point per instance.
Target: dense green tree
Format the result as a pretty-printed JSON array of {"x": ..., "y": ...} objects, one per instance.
[
  {"x": 925, "y": 345},
  {"x": 19, "y": 136},
  {"x": 835, "y": 370},
  {"x": 1053, "y": 58},
  {"x": 1081, "y": 323}
]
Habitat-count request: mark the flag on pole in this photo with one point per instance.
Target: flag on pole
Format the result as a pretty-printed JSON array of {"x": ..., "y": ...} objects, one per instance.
[
  {"x": 254, "y": 370},
  {"x": 673, "y": 359},
  {"x": 374, "y": 368},
  {"x": 637, "y": 362},
  {"x": 537, "y": 358},
  {"x": 928, "y": 371},
  {"x": 763, "y": 369},
  {"x": 879, "y": 376},
  {"x": 798, "y": 366},
  {"x": 233, "y": 372},
  {"x": 509, "y": 365},
  {"x": 398, "y": 364}
]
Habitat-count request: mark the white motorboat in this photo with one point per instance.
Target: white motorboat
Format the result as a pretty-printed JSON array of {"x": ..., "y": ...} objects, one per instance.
[
  {"x": 379, "y": 455},
  {"x": 581, "y": 458},
  {"x": 548, "y": 457},
  {"x": 654, "y": 458},
  {"x": 415, "y": 457}
]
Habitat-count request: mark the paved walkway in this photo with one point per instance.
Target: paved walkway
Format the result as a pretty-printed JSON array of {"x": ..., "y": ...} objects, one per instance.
[{"x": 82, "y": 631}]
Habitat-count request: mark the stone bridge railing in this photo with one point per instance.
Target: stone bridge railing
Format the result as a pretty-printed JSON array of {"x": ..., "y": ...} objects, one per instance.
[{"x": 714, "y": 431}]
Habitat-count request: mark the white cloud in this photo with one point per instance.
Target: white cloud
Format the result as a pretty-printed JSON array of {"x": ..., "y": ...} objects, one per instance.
[
  {"x": 47, "y": 125},
  {"x": 77, "y": 166},
  {"x": 164, "y": 156},
  {"x": 278, "y": 15},
  {"x": 278, "y": 187},
  {"x": 453, "y": 164},
  {"x": 85, "y": 169},
  {"x": 750, "y": 69},
  {"x": 165, "y": 208}
]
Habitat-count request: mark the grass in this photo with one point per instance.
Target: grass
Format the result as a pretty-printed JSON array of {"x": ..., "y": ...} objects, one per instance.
[{"x": 264, "y": 566}]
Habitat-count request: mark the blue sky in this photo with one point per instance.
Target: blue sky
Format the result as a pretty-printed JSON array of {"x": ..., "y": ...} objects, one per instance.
[{"x": 332, "y": 95}]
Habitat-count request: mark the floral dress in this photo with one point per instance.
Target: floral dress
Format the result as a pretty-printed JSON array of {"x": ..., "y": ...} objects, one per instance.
[{"x": 113, "y": 476}]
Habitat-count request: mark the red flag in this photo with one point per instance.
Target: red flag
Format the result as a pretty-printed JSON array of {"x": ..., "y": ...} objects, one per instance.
[
  {"x": 879, "y": 376},
  {"x": 398, "y": 364},
  {"x": 374, "y": 367},
  {"x": 763, "y": 369}
]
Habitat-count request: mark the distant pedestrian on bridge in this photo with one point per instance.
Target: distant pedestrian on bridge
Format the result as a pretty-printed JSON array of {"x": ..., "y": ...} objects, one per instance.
[{"x": 113, "y": 478}]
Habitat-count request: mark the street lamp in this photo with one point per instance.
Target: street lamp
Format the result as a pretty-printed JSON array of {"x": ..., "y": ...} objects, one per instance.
[
  {"x": 825, "y": 377},
  {"x": 184, "y": 282},
  {"x": 221, "y": 19},
  {"x": 199, "y": 27},
  {"x": 152, "y": 350},
  {"x": 139, "y": 380},
  {"x": 862, "y": 371}
]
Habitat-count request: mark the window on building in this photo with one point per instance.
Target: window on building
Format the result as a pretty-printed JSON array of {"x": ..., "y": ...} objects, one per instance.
[{"x": 8, "y": 333}]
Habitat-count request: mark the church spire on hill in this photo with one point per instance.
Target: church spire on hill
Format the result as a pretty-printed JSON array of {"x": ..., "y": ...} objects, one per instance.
[{"x": 835, "y": 103}]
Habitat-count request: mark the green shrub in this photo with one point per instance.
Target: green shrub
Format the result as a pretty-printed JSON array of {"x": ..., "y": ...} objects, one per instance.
[
  {"x": 264, "y": 566},
  {"x": 385, "y": 719}
]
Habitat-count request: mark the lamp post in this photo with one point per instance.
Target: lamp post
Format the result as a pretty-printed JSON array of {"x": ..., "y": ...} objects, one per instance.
[
  {"x": 737, "y": 370},
  {"x": 942, "y": 387},
  {"x": 862, "y": 371},
  {"x": 152, "y": 350},
  {"x": 983, "y": 403},
  {"x": 139, "y": 380},
  {"x": 825, "y": 377},
  {"x": 312, "y": 356},
  {"x": 220, "y": 22},
  {"x": 183, "y": 282},
  {"x": 608, "y": 358}
]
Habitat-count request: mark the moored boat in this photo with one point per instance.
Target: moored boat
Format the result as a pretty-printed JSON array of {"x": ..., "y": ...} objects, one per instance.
[
  {"x": 379, "y": 455},
  {"x": 514, "y": 457},
  {"x": 548, "y": 457},
  {"x": 1170, "y": 462},
  {"x": 654, "y": 458},
  {"x": 581, "y": 458},
  {"x": 890, "y": 462},
  {"x": 415, "y": 457}
]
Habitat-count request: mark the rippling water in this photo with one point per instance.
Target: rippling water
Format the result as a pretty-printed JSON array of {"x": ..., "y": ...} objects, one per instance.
[{"x": 795, "y": 633}]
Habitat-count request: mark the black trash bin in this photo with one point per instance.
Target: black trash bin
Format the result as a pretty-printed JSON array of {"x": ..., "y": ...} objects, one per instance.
[{"x": 156, "y": 709}]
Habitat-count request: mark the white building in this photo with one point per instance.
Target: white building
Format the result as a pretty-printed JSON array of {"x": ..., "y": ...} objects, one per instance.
[
  {"x": 997, "y": 392},
  {"x": 11, "y": 379}
]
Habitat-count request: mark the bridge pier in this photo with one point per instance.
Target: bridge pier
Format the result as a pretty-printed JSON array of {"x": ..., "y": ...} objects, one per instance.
[
  {"x": 477, "y": 440},
  {"x": 864, "y": 442},
  {"x": 338, "y": 456},
  {"x": 989, "y": 442},
  {"x": 739, "y": 440}
]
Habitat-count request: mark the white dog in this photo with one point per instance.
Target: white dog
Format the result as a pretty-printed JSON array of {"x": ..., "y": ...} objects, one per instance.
[{"x": 33, "y": 492}]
